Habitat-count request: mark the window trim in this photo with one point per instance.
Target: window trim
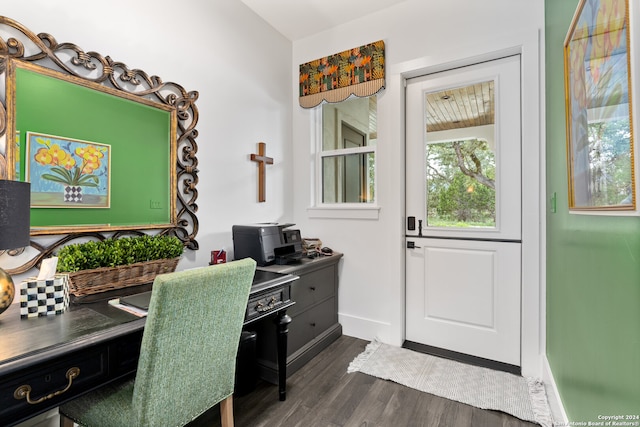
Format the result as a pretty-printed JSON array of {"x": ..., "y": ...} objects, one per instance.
[{"x": 344, "y": 211}]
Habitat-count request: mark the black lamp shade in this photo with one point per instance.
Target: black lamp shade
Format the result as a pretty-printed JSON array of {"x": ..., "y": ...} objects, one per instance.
[{"x": 15, "y": 202}]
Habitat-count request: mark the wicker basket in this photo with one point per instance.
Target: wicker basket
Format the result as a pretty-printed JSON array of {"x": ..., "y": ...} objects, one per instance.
[{"x": 88, "y": 282}]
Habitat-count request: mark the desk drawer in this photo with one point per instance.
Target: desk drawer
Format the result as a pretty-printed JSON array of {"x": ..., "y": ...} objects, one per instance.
[
  {"x": 263, "y": 304},
  {"x": 47, "y": 381},
  {"x": 124, "y": 355}
]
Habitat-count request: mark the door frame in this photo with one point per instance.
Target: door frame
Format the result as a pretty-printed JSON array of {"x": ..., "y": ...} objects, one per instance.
[{"x": 533, "y": 307}]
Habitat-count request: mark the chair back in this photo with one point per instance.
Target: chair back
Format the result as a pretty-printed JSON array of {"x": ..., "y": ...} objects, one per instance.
[{"x": 190, "y": 341}]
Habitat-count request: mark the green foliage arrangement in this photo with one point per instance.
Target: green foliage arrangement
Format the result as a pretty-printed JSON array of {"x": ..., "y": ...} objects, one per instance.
[{"x": 117, "y": 252}]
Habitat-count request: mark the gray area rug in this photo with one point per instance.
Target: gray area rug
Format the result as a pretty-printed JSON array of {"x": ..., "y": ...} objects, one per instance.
[{"x": 524, "y": 398}]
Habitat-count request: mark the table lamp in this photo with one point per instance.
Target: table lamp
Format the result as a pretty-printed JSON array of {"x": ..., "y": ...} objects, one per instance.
[{"x": 15, "y": 201}]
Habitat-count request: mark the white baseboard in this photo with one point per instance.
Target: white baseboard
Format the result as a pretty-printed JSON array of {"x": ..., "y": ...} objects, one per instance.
[
  {"x": 367, "y": 329},
  {"x": 553, "y": 396}
]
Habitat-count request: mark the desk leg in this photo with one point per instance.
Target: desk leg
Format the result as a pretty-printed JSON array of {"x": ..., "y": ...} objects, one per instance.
[{"x": 282, "y": 325}]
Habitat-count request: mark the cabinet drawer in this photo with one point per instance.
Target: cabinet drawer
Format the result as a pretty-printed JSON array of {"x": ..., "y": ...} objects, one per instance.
[
  {"x": 308, "y": 325},
  {"x": 311, "y": 288},
  {"x": 301, "y": 332},
  {"x": 322, "y": 316},
  {"x": 49, "y": 377}
]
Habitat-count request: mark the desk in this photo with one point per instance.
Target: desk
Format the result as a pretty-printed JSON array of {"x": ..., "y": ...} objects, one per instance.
[{"x": 103, "y": 342}]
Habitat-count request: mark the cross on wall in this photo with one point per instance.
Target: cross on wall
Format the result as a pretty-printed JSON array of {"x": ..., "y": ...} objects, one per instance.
[{"x": 262, "y": 160}]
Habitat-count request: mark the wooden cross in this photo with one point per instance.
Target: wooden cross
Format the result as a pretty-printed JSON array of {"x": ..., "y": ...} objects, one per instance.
[{"x": 262, "y": 159}]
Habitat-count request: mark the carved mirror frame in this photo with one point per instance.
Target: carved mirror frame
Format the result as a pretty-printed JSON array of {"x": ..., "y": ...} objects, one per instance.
[{"x": 18, "y": 43}]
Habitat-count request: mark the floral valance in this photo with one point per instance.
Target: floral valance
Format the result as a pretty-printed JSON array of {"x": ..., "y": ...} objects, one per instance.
[{"x": 358, "y": 71}]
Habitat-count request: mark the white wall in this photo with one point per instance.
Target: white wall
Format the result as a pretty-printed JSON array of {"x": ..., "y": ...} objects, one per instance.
[
  {"x": 239, "y": 65},
  {"x": 419, "y": 36}
]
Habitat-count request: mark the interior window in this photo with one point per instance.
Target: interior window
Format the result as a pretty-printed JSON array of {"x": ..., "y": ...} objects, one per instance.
[{"x": 347, "y": 155}]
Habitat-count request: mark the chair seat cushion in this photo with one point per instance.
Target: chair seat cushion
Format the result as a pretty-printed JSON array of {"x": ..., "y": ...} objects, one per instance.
[{"x": 109, "y": 406}]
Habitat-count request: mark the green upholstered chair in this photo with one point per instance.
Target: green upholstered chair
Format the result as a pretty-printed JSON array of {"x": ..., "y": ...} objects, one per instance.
[{"x": 188, "y": 353}]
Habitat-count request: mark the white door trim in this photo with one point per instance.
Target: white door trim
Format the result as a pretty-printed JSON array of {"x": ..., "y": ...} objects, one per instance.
[{"x": 529, "y": 45}]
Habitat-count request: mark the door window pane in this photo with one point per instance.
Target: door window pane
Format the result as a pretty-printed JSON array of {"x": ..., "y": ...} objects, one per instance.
[
  {"x": 460, "y": 157},
  {"x": 461, "y": 184}
]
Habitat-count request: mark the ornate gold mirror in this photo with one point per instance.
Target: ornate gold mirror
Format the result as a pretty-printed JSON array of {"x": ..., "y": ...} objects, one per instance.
[{"x": 109, "y": 150}]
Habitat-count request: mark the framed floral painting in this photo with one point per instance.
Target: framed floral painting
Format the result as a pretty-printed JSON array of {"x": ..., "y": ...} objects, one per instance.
[
  {"x": 67, "y": 173},
  {"x": 600, "y": 148}
]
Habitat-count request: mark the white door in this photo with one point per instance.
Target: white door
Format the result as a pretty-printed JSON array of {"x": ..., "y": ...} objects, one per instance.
[{"x": 463, "y": 206}]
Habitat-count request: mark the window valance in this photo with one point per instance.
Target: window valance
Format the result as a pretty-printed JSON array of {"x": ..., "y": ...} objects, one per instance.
[{"x": 358, "y": 71}]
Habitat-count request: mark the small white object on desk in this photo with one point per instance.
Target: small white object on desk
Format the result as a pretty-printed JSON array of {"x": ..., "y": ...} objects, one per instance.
[
  {"x": 128, "y": 308},
  {"x": 48, "y": 268}
]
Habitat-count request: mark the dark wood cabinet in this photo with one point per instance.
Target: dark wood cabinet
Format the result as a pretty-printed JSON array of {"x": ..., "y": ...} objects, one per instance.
[{"x": 314, "y": 323}]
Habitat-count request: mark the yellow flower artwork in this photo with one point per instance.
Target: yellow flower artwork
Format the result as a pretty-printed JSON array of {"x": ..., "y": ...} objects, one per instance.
[{"x": 66, "y": 172}]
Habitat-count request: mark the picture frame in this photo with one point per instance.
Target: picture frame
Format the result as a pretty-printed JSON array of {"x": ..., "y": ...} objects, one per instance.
[
  {"x": 67, "y": 173},
  {"x": 600, "y": 140}
]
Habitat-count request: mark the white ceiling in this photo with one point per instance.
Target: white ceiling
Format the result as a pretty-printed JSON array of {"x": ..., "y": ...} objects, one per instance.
[{"x": 297, "y": 19}]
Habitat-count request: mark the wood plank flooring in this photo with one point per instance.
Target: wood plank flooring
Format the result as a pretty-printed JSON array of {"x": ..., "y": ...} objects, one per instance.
[{"x": 323, "y": 394}]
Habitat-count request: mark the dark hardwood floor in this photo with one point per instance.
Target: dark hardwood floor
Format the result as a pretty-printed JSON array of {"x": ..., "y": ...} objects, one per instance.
[{"x": 323, "y": 394}]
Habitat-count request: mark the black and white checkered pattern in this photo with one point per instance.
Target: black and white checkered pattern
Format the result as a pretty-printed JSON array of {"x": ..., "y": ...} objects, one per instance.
[
  {"x": 44, "y": 297},
  {"x": 73, "y": 194}
]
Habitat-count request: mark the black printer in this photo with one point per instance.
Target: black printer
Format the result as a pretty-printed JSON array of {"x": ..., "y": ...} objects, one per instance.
[{"x": 267, "y": 243}]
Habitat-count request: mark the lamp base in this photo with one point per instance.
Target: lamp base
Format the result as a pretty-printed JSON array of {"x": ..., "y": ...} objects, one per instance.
[{"x": 7, "y": 290}]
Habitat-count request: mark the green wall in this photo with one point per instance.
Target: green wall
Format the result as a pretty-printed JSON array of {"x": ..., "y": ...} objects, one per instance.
[
  {"x": 140, "y": 149},
  {"x": 593, "y": 273}
]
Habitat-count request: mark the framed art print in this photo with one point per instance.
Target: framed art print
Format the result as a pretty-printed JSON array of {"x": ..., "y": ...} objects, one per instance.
[{"x": 600, "y": 143}]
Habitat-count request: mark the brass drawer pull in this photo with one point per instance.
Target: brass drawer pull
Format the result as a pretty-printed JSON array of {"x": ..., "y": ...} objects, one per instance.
[
  {"x": 24, "y": 391},
  {"x": 261, "y": 307}
]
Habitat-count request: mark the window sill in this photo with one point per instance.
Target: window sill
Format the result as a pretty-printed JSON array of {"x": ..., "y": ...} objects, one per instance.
[{"x": 344, "y": 212}]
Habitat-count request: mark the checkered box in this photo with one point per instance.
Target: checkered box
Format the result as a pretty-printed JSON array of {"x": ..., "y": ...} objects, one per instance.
[{"x": 44, "y": 297}]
